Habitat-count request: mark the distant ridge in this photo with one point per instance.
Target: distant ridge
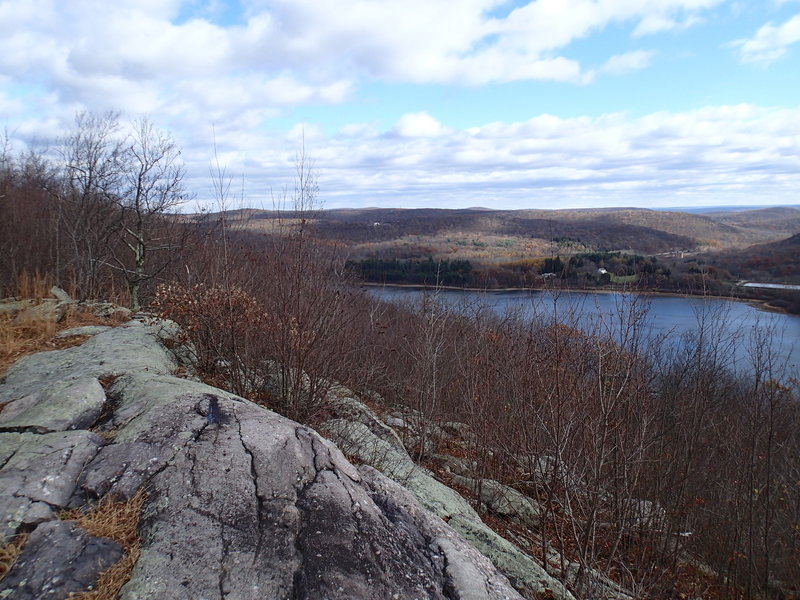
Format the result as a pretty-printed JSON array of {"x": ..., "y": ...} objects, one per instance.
[
  {"x": 434, "y": 231},
  {"x": 722, "y": 209}
]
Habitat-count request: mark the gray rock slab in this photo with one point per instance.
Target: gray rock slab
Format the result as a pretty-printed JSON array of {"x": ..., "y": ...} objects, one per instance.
[
  {"x": 132, "y": 347},
  {"x": 395, "y": 422},
  {"x": 40, "y": 468},
  {"x": 470, "y": 574},
  {"x": 241, "y": 502},
  {"x": 59, "y": 558},
  {"x": 155, "y": 418},
  {"x": 85, "y": 330},
  {"x": 437, "y": 497},
  {"x": 144, "y": 404},
  {"x": 63, "y": 405},
  {"x": 524, "y": 573},
  {"x": 356, "y": 439},
  {"x": 282, "y": 514},
  {"x": 503, "y": 500}
]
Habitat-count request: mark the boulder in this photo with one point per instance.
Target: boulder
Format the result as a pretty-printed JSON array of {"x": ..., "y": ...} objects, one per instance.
[
  {"x": 455, "y": 464},
  {"x": 107, "y": 310},
  {"x": 541, "y": 471},
  {"x": 457, "y": 429},
  {"x": 47, "y": 311},
  {"x": 644, "y": 514},
  {"x": 345, "y": 406},
  {"x": 503, "y": 500},
  {"x": 59, "y": 294}
]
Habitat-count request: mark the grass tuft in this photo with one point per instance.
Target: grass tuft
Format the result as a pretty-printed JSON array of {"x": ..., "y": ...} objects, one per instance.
[
  {"x": 9, "y": 553},
  {"x": 33, "y": 286},
  {"x": 118, "y": 521},
  {"x": 29, "y": 334}
]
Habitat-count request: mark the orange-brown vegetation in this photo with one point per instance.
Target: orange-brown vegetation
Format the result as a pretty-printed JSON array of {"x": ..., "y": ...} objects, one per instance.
[
  {"x": 118, "y": 521},
  {"x": 28, "y": 331},
  {"x": 10, "y": 551}
]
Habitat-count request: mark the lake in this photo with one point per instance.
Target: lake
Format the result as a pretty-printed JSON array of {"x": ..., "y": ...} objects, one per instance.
[{"x": 669, "y": 319}]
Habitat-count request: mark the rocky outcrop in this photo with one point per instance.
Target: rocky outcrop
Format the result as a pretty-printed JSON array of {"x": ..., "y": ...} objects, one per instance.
[
  {"x": 356, "y": 432},
  {"x": 240, "y": 502},
  {"x": 54, "y": 309},
  {"x": 361, "y": 434}
]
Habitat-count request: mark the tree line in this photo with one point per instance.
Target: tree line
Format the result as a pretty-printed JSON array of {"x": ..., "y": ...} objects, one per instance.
[
  {"x": 420, "y": 272},
  {"x": 92, "y": 214}
]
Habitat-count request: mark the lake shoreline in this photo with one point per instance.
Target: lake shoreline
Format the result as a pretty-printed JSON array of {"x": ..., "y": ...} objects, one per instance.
[{"x": 756, "y": 303}]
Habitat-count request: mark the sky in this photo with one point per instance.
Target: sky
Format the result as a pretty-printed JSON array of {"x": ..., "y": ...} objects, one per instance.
[{"x": 430, "y": 103}]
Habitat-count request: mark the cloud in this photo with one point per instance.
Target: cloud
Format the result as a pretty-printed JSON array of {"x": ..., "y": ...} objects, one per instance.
[
  {"x": 419, "y": 124},
  {"x": 620, "y": 64},
  {"x": 770, "y": 42},
  {"x": 323, "y": 44},
  {"x": 739, "y": 154},
  {"x": 658, "y": 23},
  {"x": 193, "y": 63}
]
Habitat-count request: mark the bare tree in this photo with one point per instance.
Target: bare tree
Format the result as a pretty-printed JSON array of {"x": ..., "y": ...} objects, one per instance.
[
  {"x": 92, "y": 155},
  {"x": 152, "y": 186}
]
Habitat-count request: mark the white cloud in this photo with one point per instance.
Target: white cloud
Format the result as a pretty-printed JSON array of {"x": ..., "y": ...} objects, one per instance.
[
  {"x": 137, "y": 56},
  {"x": 304, "y": 133},
  {"x": 320, "y": 44},
  {"x": 719, "y": 154},
  {"x": 657, "y": 23},
  {"x": 770, "y": 42},
  {"x": 620, "y": 64},
  {"x": 419, "y": 124}
]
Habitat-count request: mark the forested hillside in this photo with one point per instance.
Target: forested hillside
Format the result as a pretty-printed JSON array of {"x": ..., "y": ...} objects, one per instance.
[{"x": 654, "y": 465}]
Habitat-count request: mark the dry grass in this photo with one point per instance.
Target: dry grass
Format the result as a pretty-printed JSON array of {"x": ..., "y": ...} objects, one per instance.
[
  {"x": 9, "y": 553},
  {"x": 18, "y": 339},
  {"x": 33, "y": 286},
  {"x": 118, "y": 521},
  {"x": 21, "y": 336},
  {"x": 29, "y": 330}
]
